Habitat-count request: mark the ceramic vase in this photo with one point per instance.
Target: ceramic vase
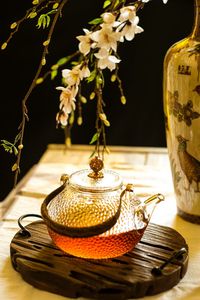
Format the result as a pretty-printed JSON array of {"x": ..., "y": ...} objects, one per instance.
[{"x": 182, "y": 115}]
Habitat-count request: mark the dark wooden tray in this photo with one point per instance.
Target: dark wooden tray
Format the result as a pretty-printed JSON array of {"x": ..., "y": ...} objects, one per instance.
[{"x": 44, "y": 266}]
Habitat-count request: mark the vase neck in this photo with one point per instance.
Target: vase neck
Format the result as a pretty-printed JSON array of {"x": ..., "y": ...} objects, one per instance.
[{"x": 196, "y": 27}]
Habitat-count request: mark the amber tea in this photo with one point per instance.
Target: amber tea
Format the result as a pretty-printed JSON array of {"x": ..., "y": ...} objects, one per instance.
[{"x": 98, "y": 247}]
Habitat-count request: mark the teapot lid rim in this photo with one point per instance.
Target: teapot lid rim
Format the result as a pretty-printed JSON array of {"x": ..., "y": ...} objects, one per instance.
[{"x": 81, "y": 180}]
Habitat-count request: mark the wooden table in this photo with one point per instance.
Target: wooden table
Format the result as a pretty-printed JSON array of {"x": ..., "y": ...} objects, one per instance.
[{"x": 147, "y": 168}]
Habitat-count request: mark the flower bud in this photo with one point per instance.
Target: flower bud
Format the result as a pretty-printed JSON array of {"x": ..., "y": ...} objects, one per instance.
[
  {"x": 123, "y": 99},
  {"x": 3, "y": 46},
  {"x": 32, "y": 15},
  {"x": 20, "y": 147},
  {"x": 39, "y": 80},
  {"x": 80, "y": 121},
  {"x": 83, "y": 99},
  {"x": 46, "y": 43},
  {"x": 71, "y": 119},
  {"x": 43, "y": 62},
  {"x": 107, "y": 123},
  {"x": 113, "y": 78},
  {"x": 99, "y": 79},
  {"x": 92, "y": 95},
  {"x": 14, "y": 167},
  {"x": 13, "y": 25},
  {"x": 55, "y": 5},
  {"x": 102, "y": 117},
  {"x": 35, "y": 2}
]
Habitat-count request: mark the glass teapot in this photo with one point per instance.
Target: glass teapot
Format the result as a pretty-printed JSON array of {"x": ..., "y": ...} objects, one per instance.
[{"x": 92, "y": 215}]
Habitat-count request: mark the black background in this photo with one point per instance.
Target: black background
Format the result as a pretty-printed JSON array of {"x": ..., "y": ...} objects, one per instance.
[{"x": 139, "y": 123}]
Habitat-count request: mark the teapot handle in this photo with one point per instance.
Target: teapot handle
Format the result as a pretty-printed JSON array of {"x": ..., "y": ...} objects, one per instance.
[{"x": 76, "y": 232}]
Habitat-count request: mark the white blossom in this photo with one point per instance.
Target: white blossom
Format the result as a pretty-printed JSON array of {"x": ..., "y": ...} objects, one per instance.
[
  {"x": 62, "y": 118},
  {"x": 106, "y": 37},
  {"x": 129, "y": 30},
  {"x": 85, "y": 72},
  {"x": 67, "y": 98},
  {"x": 72, "y": 77},
  {"x": 85, "y": 42},
  {"x": 128, "y": 23},
  {"x": 127, "y": 13},
  {"x": 105, "y": 60},
  {"x": 108, "y": 18}
]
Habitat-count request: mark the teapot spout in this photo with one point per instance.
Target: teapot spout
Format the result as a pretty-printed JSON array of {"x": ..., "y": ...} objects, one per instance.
[
  {"x": 151, "y": 203},
  {"x": 157, "y": 198}
]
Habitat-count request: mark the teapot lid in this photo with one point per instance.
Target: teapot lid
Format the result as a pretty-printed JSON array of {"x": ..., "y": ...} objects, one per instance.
[
  {"x": 94, "y": 180},
  {"x": 82, "y": 180}
]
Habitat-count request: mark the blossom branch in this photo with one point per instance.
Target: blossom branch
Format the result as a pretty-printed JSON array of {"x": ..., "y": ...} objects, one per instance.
[
  {"x": 97, "y": 51},
  {"x": 32, "y": 86},
  {"x": 30, "y": 14}
]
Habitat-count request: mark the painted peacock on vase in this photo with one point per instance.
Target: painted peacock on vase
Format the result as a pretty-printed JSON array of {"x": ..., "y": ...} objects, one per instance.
[{"x": 189, "y": 164}]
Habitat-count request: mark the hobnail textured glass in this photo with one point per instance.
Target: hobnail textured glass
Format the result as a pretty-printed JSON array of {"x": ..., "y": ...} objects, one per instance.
[{"x": 86, "y": 202}]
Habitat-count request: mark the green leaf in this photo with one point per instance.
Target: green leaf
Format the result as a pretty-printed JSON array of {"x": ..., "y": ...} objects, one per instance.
[
  {"x": 53, "y": 74},
  {"x": 62, "y": 61},
  {"x": 15, "y": 150},
  {"x": 41, "y": 21},
  {"x": 53, "y": 11},
  {"x": 8, "y": 147},
  {"x": 92, "y": 76},
  {"x": 48, "y": 21},
  {"x": 44, "y": 20},
  {"x": 17, "y": 138},
  {"x": 96, "y": 21},
  {"x": 74, "y": 63},
  {"x": 7, "y": 143},
  {"x": 117, "y": 3},
  {"x": 94, "y": 138},
  {"x": 106, "y": 3}
]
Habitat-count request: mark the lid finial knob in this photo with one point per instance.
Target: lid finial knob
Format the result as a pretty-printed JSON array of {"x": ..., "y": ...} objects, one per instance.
[{"x": 96, "y": 164}]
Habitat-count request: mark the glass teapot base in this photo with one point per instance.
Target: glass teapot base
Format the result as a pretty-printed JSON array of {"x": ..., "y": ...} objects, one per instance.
[{"x": 98, "y": 247}]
